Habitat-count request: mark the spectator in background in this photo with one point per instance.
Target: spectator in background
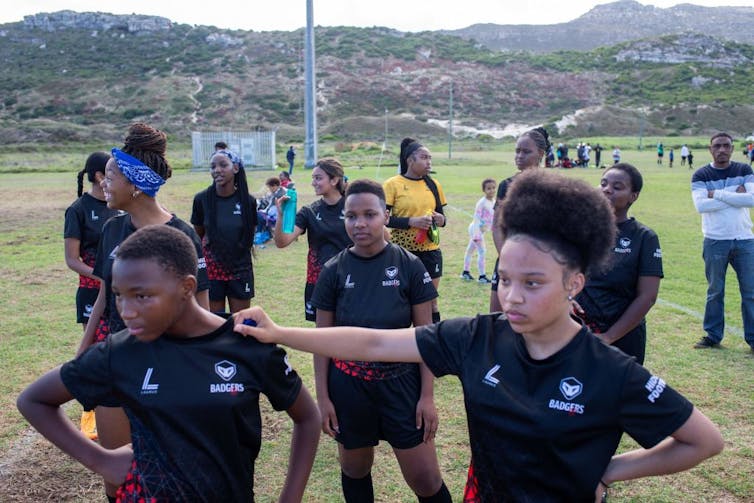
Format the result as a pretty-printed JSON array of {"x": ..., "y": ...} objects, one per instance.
[
  {"x": 684, "y": 154},
  {"x": 690, "y": 158},
  {"x": 616, "y": 155},
  {"x": 221, "y": 145},
  {"x": 285, "y": 179},
  {"x": 723, "y": 193},
  {"x": 290, "y": 156},
  {"x": 598, "y": 155},
  {"x": 671, "y": 158},
  {"x": 660, "y": 153}
]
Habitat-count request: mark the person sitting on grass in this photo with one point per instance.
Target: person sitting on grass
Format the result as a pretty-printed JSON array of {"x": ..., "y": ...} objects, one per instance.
[
  {"x": 546, "y": 401},
  {"x": 189, "y": 385}
]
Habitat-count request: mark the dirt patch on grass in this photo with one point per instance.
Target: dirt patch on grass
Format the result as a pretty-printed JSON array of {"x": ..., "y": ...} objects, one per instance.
[{"x": 35, "y": 470}]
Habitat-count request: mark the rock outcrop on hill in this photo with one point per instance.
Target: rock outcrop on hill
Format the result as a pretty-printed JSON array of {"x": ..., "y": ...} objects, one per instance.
[{"x": 613, "y": 23}]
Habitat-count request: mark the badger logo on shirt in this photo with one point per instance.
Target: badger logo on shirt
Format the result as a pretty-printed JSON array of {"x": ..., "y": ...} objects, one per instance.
[
  {"x": 625, "y": 244},
  {"x": 226, "y": 370},
  {"x": 391, "y": 273},
  {"x": 570, "y": 387}
]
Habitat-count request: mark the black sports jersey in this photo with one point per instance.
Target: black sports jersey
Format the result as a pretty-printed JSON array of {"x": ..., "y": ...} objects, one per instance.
[
  {"x": 326, "y": 233},
  {"x": 115, "y": 231},
  {"x": 545, "y": 430},
  {"x": 84, "y": 220},
  {"x": 229, "y": 229},
  {"x": 373, "y": 292},
  {"x": 193, "y": 405},
  {"x": 607, "y": 295}
]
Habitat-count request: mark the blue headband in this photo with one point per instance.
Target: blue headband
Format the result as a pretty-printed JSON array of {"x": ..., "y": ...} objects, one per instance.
[
  {"x": 138, "y": 173},
  {"x": 234, "y": 158}
]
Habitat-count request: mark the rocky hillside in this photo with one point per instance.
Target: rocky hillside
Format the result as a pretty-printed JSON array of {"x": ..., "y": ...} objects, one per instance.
[
  {"x": 84, "y": 76},
  {"x": 616, "y": 22}
]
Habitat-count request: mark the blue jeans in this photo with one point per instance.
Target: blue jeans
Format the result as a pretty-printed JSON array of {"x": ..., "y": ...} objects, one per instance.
[{"x": 717, "y": 254}]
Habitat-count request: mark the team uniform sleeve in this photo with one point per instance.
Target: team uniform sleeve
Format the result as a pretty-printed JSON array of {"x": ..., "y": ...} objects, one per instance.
[
  {"x": 202, "y": 280},
  {"x": 650, "y": 410},
  {"x": 422, "y": 290},
  {"x": 89, "y": 378},
  {"x": 281, "y": 382},
  {"x": 650, "y": 258},
  {"x": 302, "y": 219},
  {"x": 197, "y": 210},
  {"x": 325, "y": 296},
  {"x": 444, "y": 345},
  {"x": 73, "y": 228}
]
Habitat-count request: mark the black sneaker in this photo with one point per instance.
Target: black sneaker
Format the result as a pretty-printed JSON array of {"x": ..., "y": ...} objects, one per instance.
[
  {"x": 466, "y": 275},
  {"x": 484, "y": 279},
  {"x": 706, "y": 343}
]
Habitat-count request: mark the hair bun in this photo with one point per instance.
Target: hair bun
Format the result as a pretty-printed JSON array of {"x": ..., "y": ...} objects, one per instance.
[{"x": 144, "y": 137}]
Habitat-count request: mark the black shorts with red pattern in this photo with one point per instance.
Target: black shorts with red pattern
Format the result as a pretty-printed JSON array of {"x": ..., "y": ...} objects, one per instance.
[
  {"x": 239, "y": 287},
  {"x": 377, "y": 409}
]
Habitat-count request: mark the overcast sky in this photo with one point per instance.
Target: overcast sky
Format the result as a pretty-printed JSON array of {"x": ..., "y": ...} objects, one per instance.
[{"x": 404, "y": 15}]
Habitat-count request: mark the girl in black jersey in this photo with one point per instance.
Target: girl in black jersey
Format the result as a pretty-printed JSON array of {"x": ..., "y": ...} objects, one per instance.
[
  {"x": 531, "y": 147},
  {"x": 323, "y": 219},
  {"x": 614, "y": 302},
  {"x": 189, "y": 384},
  {"x": 224, "y": 215},
  {"x": 83, "y": 225},
  {"x": 376, "y": 284},
  {"x": 132, "y": 178},
  {"x": 546, "y": 401}
]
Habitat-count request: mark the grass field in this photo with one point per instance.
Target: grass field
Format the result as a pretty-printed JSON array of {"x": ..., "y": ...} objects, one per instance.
[{"x": 38, "y": 329}]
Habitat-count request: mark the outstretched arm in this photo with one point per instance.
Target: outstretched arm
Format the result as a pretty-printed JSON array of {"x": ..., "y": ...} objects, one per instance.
[
  {"x": 695, "y": 441},
  {"x": 347, "y": 343},
  {"x": 40, "y": 405},
  {"x": 304, "y": 440}
]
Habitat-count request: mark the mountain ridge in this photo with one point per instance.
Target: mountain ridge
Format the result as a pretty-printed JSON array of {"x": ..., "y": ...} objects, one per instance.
[{"x": 73, "y": 76}]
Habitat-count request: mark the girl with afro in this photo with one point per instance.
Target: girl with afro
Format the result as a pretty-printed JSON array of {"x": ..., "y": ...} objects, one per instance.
[{"x": 546, "y": 401}]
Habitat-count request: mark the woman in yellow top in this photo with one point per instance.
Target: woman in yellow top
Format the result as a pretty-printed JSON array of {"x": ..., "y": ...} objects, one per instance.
[{"x": 415, "y": 201}]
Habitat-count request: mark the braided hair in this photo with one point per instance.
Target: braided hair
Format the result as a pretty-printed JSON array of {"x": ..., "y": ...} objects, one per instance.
[
  {"x": 95, "y": 163},
  {"x": 540, "y": 137},
  {"x": 148, "y": 145}
]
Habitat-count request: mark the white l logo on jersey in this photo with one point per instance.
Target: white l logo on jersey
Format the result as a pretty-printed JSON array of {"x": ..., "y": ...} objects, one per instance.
[
  {"x": 489, "y": 377},
  {"x": 288, "y": 368},
  {"x": 148, "y": 388},
  {"x": 95, "y": 217}
]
